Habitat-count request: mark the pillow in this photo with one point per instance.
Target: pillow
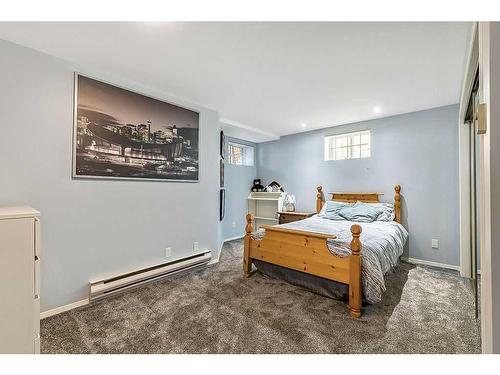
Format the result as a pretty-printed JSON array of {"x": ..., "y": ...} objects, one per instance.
[
  {"x": 387, "y": 211},
  {"x": 329, "y": 205},
  {"x": 360, "y": 212},
  {"x": 331, "y": 210}
]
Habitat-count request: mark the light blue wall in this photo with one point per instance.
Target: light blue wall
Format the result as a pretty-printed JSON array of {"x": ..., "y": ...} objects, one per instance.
[
  {"x": 418, "y": 150},
  {"x": 238, "y": 181},
  {"x": 92, "y": 228}
]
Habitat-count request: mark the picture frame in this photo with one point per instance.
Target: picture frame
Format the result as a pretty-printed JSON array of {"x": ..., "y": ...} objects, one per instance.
[
  {"x": 123, "y": 134},
  {"x": 222, "y": 204},
  {"x": 221, "y": 168},
  {"x": 222, "y": 145}
]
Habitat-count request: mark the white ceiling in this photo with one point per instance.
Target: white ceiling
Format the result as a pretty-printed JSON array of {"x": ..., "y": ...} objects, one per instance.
[{"x": 270, "y": 78}]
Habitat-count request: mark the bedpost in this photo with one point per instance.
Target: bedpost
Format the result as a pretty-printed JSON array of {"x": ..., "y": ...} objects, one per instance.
[
  {"x": 319, "y": 199},
  {"x": 247, "y": 262},
  {"x": 355, "y": 290},
  {"x": 397, "y": 204}
]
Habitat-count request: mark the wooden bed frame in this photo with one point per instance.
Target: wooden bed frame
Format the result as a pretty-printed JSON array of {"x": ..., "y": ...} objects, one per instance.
[{"x": 307, "y": 252}]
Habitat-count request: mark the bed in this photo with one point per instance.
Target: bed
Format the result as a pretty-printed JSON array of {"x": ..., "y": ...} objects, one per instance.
[{"x": 332, "y": 250}]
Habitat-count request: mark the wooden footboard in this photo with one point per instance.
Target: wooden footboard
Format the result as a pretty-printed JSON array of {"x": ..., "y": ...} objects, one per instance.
[{"x": 307, "y": 252}]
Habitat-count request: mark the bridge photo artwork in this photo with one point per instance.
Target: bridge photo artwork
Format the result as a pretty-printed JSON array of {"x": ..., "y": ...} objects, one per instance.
[{"x": 121, "y": 134}]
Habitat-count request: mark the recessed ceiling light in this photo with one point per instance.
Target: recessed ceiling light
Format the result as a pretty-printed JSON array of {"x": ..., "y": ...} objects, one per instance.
[
  {"x": 304, "y": 125},
  {"x": 377, "y": 109}
]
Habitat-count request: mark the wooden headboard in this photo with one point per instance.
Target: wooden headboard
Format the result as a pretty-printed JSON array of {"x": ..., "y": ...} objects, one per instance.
[{"x": 362, "y": 197}]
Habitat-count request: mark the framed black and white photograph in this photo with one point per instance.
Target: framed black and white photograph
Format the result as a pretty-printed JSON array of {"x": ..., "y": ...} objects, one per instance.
[
  {"x": 121, "y": 134},
  {"x": 222, "y": 204},
  {"x": 221, "y": 173},
  {"x": 222, "y": 145}
]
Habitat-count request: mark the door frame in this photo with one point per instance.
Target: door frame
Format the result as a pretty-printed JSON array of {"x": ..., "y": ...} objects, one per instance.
[
  {"x": 464, "y": 153},
  {"x": 481, "y": 48}
]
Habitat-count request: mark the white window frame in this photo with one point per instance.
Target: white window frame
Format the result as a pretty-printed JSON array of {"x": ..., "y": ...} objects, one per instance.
[
  {"x": 248, "y": 157},
  {"x": 348, "y": 139}
]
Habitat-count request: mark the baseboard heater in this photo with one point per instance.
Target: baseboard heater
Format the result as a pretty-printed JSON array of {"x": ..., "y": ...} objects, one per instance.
[{"x": 103, "y": 288}]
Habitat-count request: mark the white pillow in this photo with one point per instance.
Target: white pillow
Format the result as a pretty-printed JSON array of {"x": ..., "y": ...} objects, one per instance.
[
  {"x": 387, "y": 214},
  {"x": 325, "y": 206}
]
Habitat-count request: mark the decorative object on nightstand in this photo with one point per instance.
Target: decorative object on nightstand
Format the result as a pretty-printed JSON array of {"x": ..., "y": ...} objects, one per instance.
[
  {"x": 264, "y": 207},
  {"x": 289, "y": 203},
  {"x": 276, "y": 187},
  {"x": 288, "y": 217},
  {"x": 257, "y": 186}
]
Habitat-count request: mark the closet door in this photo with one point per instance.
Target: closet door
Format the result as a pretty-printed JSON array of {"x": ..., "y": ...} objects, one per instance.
[
  {"x": 474, "y": 191},
  {"x": 474, "y": 239}
]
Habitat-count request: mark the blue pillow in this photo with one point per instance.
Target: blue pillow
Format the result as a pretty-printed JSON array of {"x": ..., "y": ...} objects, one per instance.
[
  {"x": 360, "y": 212},
  {"x": 332, "y": 210}
]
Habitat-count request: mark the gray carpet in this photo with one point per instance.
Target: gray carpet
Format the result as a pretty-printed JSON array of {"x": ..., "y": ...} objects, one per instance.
[{"x": 217, "y": 310}]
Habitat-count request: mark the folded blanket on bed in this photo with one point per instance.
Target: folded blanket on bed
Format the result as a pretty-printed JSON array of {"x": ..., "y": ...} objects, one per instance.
[{"x": 382, "y": 245}]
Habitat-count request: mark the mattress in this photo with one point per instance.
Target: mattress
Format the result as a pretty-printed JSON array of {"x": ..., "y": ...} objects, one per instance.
[{"x": 382, "y": 245}]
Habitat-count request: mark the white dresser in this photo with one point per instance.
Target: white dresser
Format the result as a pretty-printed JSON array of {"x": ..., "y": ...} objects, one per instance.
[{"x": 19, "y": 280}]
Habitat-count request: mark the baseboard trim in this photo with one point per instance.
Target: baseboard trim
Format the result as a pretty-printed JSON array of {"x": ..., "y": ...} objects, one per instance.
[
  {"x": 429, "y": 263},
  {"x": 61, "y": 309},
  {"x": 216, "y": 260},
  {"x": 234, "y": 238},
  {"x": 83, "y": 302}
]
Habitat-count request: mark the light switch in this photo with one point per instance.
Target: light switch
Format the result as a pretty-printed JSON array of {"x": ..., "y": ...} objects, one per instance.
[{"x": 435, "y": 244}]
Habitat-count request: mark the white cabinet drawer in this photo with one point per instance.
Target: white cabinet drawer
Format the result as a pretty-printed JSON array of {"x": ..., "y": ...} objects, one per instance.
[{"x": 17, "y": 286}]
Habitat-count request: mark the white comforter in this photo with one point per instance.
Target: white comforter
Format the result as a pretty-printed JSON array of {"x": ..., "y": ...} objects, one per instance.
[{"x": 382, "y": 245}]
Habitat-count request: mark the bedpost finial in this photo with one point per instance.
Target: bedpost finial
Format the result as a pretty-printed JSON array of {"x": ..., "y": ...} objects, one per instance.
[
  {"x": 397, "y": 203},
  {"x": 355, "y": 243},
  {"x": 356, "y": 230},
  {"x": 249, "y": 226},
  {"x": 320, "y": 192},
  {"x": 319, "y": 199}
]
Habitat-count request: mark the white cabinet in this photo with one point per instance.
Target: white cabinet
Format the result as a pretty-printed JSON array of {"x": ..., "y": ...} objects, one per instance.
[
  {"x": 19, "y": 280},
  {"x": 264, "y": 206}
]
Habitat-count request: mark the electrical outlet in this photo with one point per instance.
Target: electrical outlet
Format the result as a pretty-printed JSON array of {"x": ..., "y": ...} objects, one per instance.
[
  {"x": 435, "y": 244},
  {"x": 233, "y": 224},
  {"x": 196, "y": 246},
  {"x": 168, "y": 252}
]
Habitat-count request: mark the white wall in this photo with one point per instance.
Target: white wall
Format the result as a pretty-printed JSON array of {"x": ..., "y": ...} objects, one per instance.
[{"x": 92, "y": 228}]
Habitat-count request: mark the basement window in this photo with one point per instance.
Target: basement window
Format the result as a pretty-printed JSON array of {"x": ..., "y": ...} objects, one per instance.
[
  {"x": 240, "y": 154},
  {"x": 354, "y": 145}
]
